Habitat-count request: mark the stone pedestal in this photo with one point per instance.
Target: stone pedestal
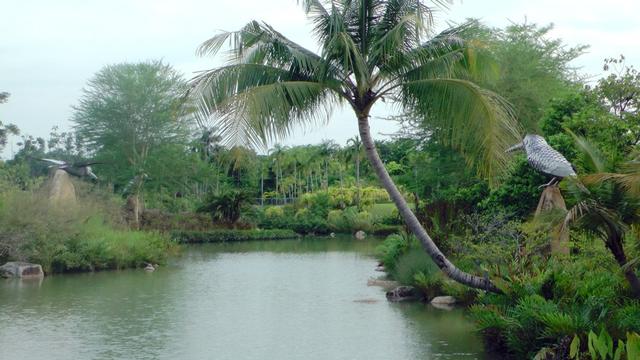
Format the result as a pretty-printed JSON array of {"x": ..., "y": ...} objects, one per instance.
[
  {"x": 134, "y": 209},
  {"x": 61, "y": 188},
  {"x": 551, "y": 199}
]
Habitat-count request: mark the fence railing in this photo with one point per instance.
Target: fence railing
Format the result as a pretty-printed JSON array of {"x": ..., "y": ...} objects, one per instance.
[{"x": 275, "y": 201}]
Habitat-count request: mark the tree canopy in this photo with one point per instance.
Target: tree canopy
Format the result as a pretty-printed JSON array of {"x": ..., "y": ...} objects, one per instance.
[{"x": 129, "y": 113}]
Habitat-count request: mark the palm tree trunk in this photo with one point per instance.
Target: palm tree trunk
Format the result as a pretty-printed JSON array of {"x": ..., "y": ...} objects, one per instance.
[
  {"x": 410, "y": 219},
  {"x": 614, "y": 244}
]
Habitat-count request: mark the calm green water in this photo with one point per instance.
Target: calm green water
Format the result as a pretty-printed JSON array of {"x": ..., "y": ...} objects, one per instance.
[{"x": 299, "y": 299}]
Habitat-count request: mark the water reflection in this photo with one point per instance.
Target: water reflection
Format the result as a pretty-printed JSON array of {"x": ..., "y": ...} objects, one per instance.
[{"x": 295, "y": 299}]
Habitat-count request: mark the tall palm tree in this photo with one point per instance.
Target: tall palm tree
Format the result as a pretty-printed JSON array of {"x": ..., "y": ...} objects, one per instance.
[
  {"x": 371, "y": 50},
  {"x": 326, "y": 150},
  {"x": 277, "y": 154}
]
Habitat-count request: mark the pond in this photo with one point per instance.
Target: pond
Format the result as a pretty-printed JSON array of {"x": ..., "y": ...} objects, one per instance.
[{"x": 291, "y": 299}]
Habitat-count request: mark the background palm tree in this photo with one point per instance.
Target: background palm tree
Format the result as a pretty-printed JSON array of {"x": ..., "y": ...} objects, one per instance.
[
  {"x": 370, "y": 50},
  {"x": 277, "y": 154},
  {"x": 356, "y": 146}
]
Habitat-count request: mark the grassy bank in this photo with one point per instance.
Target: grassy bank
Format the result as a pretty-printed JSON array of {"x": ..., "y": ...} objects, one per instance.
[
  {"x": 224, "y": 235},
  {"x": 88, "y": 235}
]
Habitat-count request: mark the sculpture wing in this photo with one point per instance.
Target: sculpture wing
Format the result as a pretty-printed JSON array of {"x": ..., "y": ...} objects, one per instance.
[
  {"x": 547, "y": 160},
  {"x": 54, "y": 161},
  {"x": 85, "y": 164}
]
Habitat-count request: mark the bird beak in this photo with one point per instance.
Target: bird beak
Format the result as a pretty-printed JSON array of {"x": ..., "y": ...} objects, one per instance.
[{"x": 515, "y": 147}]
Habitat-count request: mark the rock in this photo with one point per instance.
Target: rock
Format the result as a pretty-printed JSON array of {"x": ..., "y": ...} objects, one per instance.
[
  {"x": 380, "y": 268},
  {"x": 61, "y": 189},
  {"x": 21, "y": 269},
  {"x": 443, "y": 306},
  {"x": 386, "y": 284},
  {"x": 149, "y": 268},
  {"x": 443, "y": 300},
  {"x": 403, "y": 293},
  {"x": 366, "y": 301},
  {"x": 360, "y": 235},
  {"x": 332, "y": 235}
]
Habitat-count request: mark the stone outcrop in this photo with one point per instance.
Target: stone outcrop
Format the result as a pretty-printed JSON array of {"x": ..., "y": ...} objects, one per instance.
[
  {"x": 21, "y": 269},
  {"x": 403, "y": 293},
  {"x": 385, "y": 284}
]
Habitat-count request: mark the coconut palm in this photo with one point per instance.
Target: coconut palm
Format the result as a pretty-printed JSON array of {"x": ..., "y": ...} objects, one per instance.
[{"x": 370, "y": 50}]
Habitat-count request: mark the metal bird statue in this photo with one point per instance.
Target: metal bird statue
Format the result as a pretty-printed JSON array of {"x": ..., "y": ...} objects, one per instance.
[
  {"x": 134, "y": 185},
  {"x": 545, "y": 159},
  {"x": 76, "y": 169}
]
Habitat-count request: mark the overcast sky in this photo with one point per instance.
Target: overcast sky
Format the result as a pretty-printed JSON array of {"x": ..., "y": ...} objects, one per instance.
[{"x": 49, "y": 49}]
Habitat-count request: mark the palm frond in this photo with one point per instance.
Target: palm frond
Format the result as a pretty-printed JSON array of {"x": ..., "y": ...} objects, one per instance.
[
  {"x": 269, "y": 112},
  {"x": 442, "y": 51},
  {"x": 258, "y": 43},
  {"x": 475, "y": 121},
  {"x": 595, "y": 218},
  {"x": 595, "y": 159}
]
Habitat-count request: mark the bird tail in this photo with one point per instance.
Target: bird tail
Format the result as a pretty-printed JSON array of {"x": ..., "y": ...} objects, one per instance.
[{"x": 574, "y": 180}]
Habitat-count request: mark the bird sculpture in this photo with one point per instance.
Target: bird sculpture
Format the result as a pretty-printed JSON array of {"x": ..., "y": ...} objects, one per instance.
[
  {"x": 135, "y": 184},
  {"x": 76, "y": 169},
  {"x": 545, "y": 159}
]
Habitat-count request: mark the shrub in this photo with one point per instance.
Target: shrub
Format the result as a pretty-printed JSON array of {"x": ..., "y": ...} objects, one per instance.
[
  {"x": 414, "y": 261},
  {"x": 336, "y": 221},
  {"x": 273, "y": 212},
  {"x": 362, "y": 221},
  {"x": 227, "y": 206},
  {"x": 391, "y": 249}
]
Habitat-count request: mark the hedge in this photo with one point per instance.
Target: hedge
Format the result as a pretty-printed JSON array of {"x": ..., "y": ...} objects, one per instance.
[{"x": 224, "y": 235}]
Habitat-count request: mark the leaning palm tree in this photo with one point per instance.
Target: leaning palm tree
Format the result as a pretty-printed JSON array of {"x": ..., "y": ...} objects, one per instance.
[{"x": 369, "y": 51}]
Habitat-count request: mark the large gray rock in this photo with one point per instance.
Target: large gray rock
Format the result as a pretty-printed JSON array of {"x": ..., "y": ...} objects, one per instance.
[
  {"x": 360, "y": 235},
  {"x": 385, "y": 284},
  {"x": 403, "y": 293},
  {"x": 21, "y": 269},
  {"x": 443, "y": 300}
]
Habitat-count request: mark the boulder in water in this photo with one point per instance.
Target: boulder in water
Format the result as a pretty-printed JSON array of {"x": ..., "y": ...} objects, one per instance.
[
  {"x": 360, "y": 235},
  {"x": 403, "y": 293},
  {"x": 444, "y": 300},
  {"x": 21, "y": 269}
]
